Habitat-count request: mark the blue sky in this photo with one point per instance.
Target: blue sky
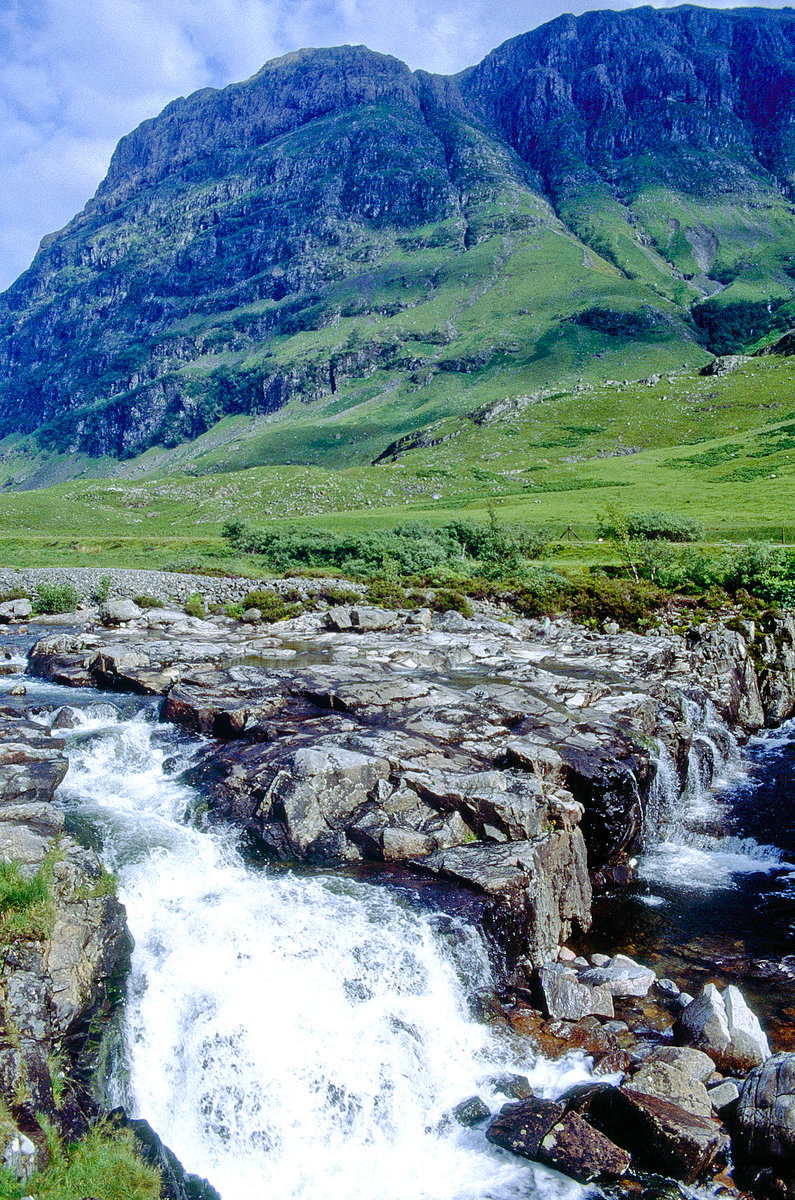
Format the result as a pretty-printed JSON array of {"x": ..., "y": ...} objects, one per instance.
[{"x": 75, "y": 75}]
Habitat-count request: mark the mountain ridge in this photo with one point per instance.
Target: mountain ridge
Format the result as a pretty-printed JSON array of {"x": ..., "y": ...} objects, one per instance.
[{"x": 339, "y": 236}]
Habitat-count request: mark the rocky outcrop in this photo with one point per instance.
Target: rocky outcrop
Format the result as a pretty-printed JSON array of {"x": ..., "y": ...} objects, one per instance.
[
  {"x": 507, "y": 788},
  {"x": 765, "y": 1126},
  {"x": 62, "y": 931}
]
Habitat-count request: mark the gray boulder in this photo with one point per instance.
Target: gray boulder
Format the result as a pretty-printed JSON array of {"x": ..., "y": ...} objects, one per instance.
[
  {"x": 15, "y": 610},
  {"x": 725, "y": 1028},
  {"x": 765, "y": 1116},
  {"x": 667, "y": 1083},
  {"x": 693, "y": 1063},
  {"x": 566, "y": 999},
  {"x": 360, "y": 619},
  {"x": 118, "y": 612}
]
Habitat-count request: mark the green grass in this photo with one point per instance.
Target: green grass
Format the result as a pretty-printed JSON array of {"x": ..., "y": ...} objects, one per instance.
[
  {"x": 720, "y": 450},
  {"x": 104, "y": 1165},
  {"x": 26, "y": 904}
]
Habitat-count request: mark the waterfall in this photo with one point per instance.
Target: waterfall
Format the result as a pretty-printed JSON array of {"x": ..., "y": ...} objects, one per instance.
[
  {"x": 688, "y": 840},
  {"x": 292, "y": 1035}
]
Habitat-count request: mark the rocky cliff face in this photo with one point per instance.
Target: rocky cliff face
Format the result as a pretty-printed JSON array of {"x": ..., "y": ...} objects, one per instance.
[{"x": 338, "y": 217}]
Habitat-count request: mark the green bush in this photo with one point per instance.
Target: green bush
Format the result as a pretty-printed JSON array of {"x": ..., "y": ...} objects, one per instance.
[
  {"x": 101, "y": 590},
  {"x": 408, "y": 549},
  {"x": 56, "y": 598},
  {"x": 447, "y": 600},
  {"x": 194, "y": 606},
  {"x": 105, "y": 1164},
  {"x": 654, "y": 525},
  {"x": 147, "y": 601},
  {"x": 271, "y": 605},
  {"x": 665, "y": 526}
]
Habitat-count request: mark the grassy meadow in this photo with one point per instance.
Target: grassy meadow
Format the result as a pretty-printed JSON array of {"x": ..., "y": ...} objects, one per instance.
[{"x": 720, "y": 450}]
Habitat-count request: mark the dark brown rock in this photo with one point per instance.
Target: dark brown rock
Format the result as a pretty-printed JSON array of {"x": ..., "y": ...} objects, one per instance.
[
  {"x": 522, "y": 1127},
  {"x": 576, "y": 1148},
  {"x": 662, "y": 1137}
]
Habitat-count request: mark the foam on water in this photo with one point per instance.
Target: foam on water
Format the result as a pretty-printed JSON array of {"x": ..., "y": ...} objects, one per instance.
[
  {"x": 293, "y": 1036},
  {"x": 685, "y": 843}
]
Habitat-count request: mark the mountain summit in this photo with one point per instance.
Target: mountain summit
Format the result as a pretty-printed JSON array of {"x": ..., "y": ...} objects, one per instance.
[{"x": 371, "y": 248}]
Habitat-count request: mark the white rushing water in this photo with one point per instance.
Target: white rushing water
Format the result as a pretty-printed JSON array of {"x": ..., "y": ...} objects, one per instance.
[
  {"x": 293, "y": 1036},
  {"x": 686, "y": 843}
]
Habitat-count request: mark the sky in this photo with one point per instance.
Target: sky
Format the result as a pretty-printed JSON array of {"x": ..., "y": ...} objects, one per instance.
[{"x": 76, "y": 75}]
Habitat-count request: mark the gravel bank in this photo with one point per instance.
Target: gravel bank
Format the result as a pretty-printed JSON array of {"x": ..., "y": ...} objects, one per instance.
[{"x": 165, "y": 585}]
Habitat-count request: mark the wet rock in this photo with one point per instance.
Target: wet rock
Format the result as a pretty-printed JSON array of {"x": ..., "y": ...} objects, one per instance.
[
  {"x": 522, "y": 1127},
  {"x": 668, "y": 989},
  {"x": 615, "y": 1062},
  {"x": 177, "y": 1184},
  {"x": 471, "y": 1112},
  {"x": 765, "y": 1117},
  {"x": 118, "y": 612},
  {"x": 515, "y": 1087},
  {"x": 577, "y": 1149},
  {"x": 660, "y": 1079},
  {"x": 660, "y": 1136},
  {"x": 564, "y": 997}
]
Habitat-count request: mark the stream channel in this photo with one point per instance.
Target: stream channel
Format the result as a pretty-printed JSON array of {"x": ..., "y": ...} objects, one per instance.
[{"x": 298, "y": 1034}]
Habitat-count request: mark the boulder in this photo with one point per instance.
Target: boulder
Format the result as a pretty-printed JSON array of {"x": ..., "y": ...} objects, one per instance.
[
  {"x": 118, "y": 612},
  {"x": 565, "y": 998},
  {"x": 577, "y": 1149},
  {"x": 667, "y": 1083},
  {"x": 748, "y": 1045},
  {"x": 515, "y": 1087},
  {"x": 360, "y": 619},
  {"x": 15, "y": 610},
  {"x": 19, "y": 1157},
  {"x": 694, "y": 1063},
  {"x": 471, "y": 1112},
  {"x": 765, "y": 1116},
  {"x": 522, "y": 1127},
  {"x": 536, "y": 889},
  {"x": 725, "y": 1028},
  {"x": 620, "y": 980},
  {"x": 661, "y": 1136},
  {"x": 726, "y": 1093}
]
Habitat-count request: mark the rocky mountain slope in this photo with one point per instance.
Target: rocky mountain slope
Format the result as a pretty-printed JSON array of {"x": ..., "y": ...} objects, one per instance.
[{"x": 609, "y": 193}]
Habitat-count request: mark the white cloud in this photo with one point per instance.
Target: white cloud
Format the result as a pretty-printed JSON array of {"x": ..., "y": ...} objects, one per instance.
[{"x": 76, "y": 75}]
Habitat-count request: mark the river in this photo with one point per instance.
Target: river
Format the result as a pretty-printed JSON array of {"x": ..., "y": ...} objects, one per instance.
[{"x": 288, "y": 1034}]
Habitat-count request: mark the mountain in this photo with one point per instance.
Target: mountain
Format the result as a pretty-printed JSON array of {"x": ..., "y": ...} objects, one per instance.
[{"x": 356, "y": 250}]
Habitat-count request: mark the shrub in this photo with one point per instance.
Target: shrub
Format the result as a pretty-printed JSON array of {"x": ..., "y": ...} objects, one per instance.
[
  {"x": 271, "y": 605},
  {"x": 147, "y": 601},
  {"x": 56, "y": 598},
  {"x": 106, "y": 1163},
  {"x": 194, "y": 606},
  {"x": 446, "y": 600},
  {"x": 669, "y": 527},
  {"x": 101, "y": 590}
]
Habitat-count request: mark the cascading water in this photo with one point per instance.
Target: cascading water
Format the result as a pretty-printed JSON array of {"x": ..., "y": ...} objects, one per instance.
[
  {"x": 291, "y": 1036},
  {"x": 687, "y": 836}
]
